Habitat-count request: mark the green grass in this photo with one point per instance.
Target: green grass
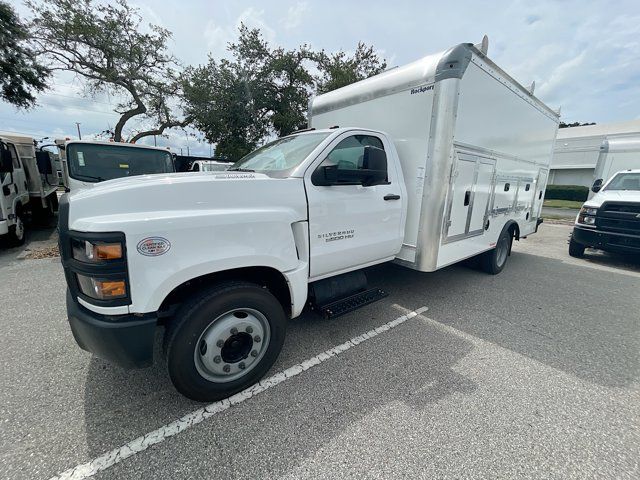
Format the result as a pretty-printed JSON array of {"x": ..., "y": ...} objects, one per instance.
[{"x": 562, "y": 204}]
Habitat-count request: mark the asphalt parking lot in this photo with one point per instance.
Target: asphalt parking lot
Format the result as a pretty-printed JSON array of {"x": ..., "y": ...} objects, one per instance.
[{"x": 532, "y": 373}]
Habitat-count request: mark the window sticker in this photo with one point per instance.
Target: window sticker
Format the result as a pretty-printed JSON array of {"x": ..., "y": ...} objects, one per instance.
[{"x": 81, "y": 159}]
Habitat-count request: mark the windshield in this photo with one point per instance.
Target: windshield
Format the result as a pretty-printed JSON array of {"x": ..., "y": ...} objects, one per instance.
[
  {"x": 625, "y": 181},
  {"x": 99, "y": 162},
  {"x": 281, "y": 155}
]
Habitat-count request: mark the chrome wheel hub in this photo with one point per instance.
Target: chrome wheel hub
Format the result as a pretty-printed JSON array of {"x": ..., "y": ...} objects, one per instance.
[
  {"x": 232, "y": 345},
  {"x": 19, "y": 228}
]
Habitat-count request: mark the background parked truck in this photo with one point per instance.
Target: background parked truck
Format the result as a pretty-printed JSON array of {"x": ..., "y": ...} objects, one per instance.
[
  {"x": 426, "y": 165},
  {"x": 29, "y": 183},
  {"x": 88, "y": 162}
]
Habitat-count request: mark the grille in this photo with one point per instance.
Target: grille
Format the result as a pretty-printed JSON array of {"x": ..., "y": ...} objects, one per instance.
[{"x": 619, "y": 218}]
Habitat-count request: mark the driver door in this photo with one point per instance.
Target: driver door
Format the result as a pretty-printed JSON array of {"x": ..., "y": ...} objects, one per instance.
[{"x": 351, "y": 226}]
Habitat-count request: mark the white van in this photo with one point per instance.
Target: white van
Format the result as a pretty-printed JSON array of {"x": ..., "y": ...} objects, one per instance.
[{"x": 209, "y": 166}]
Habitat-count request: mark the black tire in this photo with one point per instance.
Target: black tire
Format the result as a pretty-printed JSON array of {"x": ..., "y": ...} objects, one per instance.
[
  {"x": 576, "y": 249},
  {"x": 197, "y": 315},
  {"x": 493, "y": 261},
  {"x": 42, "y": 216},
  {"x": 17, "y": 233}
]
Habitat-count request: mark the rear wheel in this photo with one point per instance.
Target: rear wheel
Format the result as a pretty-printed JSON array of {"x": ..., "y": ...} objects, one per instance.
[
  {"x": 494, "y": 260},
  {"x": 576, "y": 249},
  {"x": 224, "y": 340}
]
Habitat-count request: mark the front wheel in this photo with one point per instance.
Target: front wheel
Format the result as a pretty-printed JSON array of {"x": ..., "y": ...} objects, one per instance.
[
  {"x": 576, "y": 249},
  {"x": 494, "y": 260},
  {"x": 17, "y": 233},
  {"x": 224, "y": 340}
]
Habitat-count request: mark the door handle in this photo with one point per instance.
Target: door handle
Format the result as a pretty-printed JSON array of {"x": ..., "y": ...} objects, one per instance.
[
  {"x": 392, "y": 196},
  {"x": 467, "y": 198}
]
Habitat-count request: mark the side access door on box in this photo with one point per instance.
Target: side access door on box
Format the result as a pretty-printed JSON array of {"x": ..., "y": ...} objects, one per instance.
[
  {"x": 538, "y": 199},
  {"x": 470, "y": 190}
]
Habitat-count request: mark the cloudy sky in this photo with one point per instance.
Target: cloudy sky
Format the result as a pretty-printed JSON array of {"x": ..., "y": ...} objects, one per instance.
[{"x": 583, "y": 55}]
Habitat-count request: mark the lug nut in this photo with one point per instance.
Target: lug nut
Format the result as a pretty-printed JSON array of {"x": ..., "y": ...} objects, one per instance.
[
  {"x": 254, "y": 353},
  {"x": 249, "y": 330},
  {"x": 257, "y": 338},
  {"x": 220, "y": 343},
  {"x": 226, "y": 368},
  {"x": 234, "y": 331},
  {"x": 241, "y": 366},
  {"x": 217, "y": 359}
]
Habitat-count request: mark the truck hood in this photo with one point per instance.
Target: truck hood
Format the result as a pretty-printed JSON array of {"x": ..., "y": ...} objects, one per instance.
[
  {"x": 613, "y": 196},
  {"x": 111, "y": 205}
]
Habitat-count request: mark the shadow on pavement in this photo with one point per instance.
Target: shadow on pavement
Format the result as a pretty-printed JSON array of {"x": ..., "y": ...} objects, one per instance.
[{"x": 541, "y": 308}]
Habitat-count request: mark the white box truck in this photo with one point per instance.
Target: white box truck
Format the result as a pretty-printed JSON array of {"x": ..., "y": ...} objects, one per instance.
[
  {"x": 29, "y": 183},
  {"x": 610, "y": 219},
  {"x": 425, "y": 165}
]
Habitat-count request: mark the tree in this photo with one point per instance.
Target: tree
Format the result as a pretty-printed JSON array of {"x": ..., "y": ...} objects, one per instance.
[
  {"x": 20, "y": 74},
  {"x": 219, "y": 98},
  {"x": 105, "y": 44},
  {"x": 338, "y": 69},
  {"x": 265, "y": 91},
  {"x": 574, "y": 124}
]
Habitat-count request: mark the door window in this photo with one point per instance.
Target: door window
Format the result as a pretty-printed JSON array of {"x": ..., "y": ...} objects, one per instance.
[
  {"x": 349, "y": 153},
  {"x": 14, "y": 157}
]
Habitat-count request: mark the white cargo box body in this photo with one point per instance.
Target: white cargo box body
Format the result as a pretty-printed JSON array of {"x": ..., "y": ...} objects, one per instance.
[
  {"x": 617, "y": 154},
  {"x": 474, "y": 145}
]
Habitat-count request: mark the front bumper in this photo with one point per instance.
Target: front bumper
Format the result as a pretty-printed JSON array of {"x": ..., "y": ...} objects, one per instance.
[
  {"x": 124, "y": 340},
  {"x": 4, "y": 227},
  {"x": 613, "y": 242}
]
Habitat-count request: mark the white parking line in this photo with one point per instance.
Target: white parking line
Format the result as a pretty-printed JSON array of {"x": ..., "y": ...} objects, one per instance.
[{"x": 140, "y": 444}]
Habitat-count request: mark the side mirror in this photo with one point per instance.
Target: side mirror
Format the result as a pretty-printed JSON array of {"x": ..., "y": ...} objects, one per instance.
[
  {"x": 597, "y": 185},
  {"x": 374, "y": 165},
  {"x": 44, "y": 163},
  {"x": 373, "y": 171},
  {"x": 6, "y": 162}
]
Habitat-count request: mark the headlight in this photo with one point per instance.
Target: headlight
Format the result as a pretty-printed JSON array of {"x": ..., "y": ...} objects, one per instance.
[
  {"x": 102, "y": 288},
  {"x": 93, "y": 252},
  {"x": 587, "y": 216}
]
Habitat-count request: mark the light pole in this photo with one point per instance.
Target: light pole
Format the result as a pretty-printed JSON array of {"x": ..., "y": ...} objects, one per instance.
[{"x": 78, "y": 127}]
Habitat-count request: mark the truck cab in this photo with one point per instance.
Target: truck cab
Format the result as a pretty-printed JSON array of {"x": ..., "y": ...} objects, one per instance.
[
  {"x": 15, "y": 194},
  {"x": 610, "y": 220},
  {"x": 86, "y": 163}
]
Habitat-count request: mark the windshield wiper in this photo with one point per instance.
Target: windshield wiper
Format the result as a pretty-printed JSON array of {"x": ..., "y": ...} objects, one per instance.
[
  {"x": 90, "y": 177},
  {"x": 239, "y": 169}
]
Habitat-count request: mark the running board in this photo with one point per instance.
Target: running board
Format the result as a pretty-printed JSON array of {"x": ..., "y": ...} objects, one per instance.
[{"x": 351, "y": 303}]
